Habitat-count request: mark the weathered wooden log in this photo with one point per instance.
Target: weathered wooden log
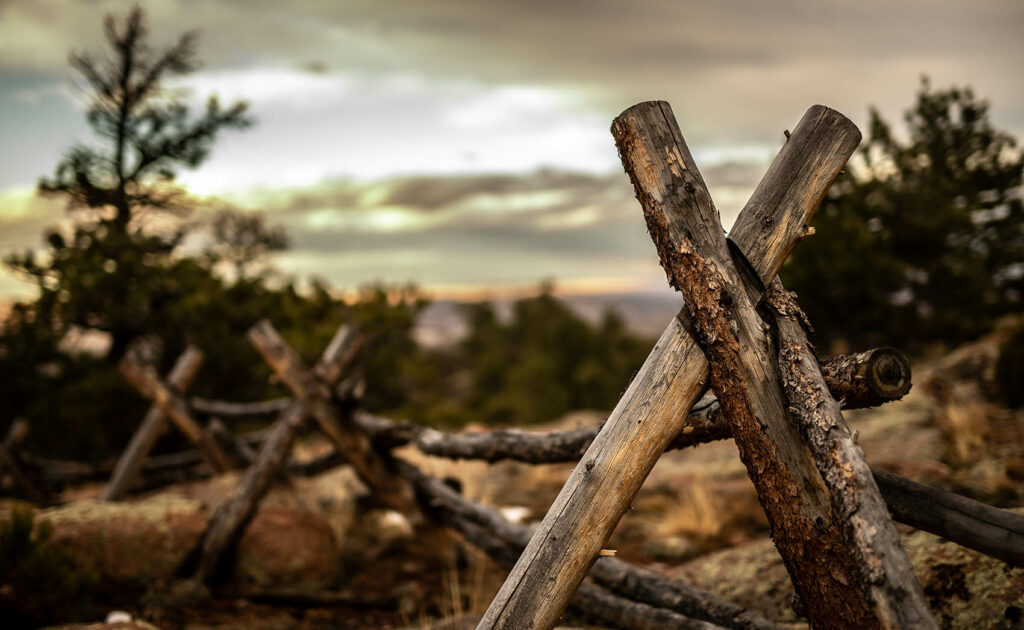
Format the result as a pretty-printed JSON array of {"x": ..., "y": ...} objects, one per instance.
[
  {"x": 654, "y": 408},
  {"x": 959, "y": 519},
  {"x": 704, "y": 424},
  {"x": 856, "y": 380},
  {"x": 144, "y": 378},
  {"x": 228, "y": 409},
  {"x": 237, "y": 448},
  {"x": 722, "y": 296},
  {"x": 373, "y": 467},
  {"x": 970, "y": 523},
  {"x": 345, "y": 390},
  {"x": 857, "y": 504},
  {"x": 504, "y": 540},
  {"x": 131, "y": 460},
  {"x": 230, "y": 519}
]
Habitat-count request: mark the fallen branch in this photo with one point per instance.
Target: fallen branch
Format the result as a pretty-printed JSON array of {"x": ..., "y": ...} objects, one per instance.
[
  {"x": 504, "y": 541},
  {"x": 972, "y": 524}
]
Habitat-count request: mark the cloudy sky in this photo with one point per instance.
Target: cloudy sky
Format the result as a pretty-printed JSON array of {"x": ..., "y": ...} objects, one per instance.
[{"x": 464, "y": 144}]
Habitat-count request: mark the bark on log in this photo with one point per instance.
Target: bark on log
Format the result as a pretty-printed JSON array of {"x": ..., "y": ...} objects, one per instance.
[
  {"x": 970, "y": 523},
  {"x": 131, "y": 460},
  {"x": 373, "y": 467},
  {"x": 722, "y": 296},
  {"x": 653, "y": 409},
  {"x": 857, "y": 504},
  {"x": 504, "y": 540},
  {"x": 232, "y": 516},
  {"x": 144, "y": 378},
  {"x": 856, "y": 380}
]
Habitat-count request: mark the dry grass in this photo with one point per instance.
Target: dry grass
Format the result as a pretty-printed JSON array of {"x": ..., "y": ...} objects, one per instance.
[
  {"x": 964, "y": 428},
  {"x": 697, "y": 514}
]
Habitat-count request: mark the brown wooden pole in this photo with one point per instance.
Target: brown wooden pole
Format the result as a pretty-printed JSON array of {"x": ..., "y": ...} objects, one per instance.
[
  {"x": 145, "y": 437},
  {"x": 373, "y": 467},
  {"x": 858, "y": 506},
  {"x": 654, "y": 408},
  {"x": 973, "y": 524},
  {"x": 232, "y": 516},
  {"x": 145, "y": 379},
  {"x": 833, "y": 556},
  {"x": 503, "y": 540}
]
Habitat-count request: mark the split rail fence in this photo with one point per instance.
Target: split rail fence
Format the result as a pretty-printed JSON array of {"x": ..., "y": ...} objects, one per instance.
[{"x": 740, "y": 335}]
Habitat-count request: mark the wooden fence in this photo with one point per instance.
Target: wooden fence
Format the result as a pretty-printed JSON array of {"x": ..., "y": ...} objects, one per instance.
[{"x": 741, "y": 335}]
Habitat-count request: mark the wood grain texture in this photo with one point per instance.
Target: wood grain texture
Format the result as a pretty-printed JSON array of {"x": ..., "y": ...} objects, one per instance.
[
  {"x": 373, "y": 467},
  {"x": 859, "y": 379},
  {"x": 145, "y": 437},
  {"x": 861, "y": 512},
  {"x": 654, "y": 408},
  {"x": 231, "y": 517},
  {"x": 973, "y": 524},
  {"x": 685, "y": 227}
]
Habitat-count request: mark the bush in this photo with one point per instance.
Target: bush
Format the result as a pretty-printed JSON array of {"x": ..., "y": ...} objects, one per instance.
[
  {"x": 40, "y": 583},
  {"x": 1010, "y": 368}
]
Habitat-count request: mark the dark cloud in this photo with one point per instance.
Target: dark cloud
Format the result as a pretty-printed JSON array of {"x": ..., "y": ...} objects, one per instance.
[{"x": 728, "y": 66}]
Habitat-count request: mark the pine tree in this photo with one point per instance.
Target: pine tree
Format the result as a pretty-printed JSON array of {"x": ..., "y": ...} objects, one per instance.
[{"x": 923, "y": 241}]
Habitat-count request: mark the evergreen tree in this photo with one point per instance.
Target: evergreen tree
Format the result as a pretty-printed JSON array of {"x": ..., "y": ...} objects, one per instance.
[{"x": 923, "y": 241}]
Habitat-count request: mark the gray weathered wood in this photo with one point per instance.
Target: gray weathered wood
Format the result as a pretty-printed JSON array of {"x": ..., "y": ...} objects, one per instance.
[
  {"x": 973, "y": 524},
  {"x": 503, "y": 540},
  {"x": 154, "y": 423},
  {"x": 144, "y": 378},
  {"x": 145, "y": 437},
  {"x": 685, "y": 227},
  {"x": 231, "y": 516},
  {"x": 654, "y": 408},
  {"x": 857, "y": 504},
  {"x": 857, "y": 379},
  {"x": 372, "y": 466}
]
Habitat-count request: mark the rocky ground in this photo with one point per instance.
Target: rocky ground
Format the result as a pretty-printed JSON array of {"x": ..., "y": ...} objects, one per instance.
[{"x": 321, "y": 554}]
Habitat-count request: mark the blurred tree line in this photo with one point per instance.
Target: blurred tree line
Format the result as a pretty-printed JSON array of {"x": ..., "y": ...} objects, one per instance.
[
  {"x": 121, "y": 271},
  {"x": 921, "y": 243}
]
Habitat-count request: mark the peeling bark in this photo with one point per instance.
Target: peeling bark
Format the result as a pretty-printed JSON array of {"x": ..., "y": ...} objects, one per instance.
[
  {"x": 685, "y": 228},
  {"x": 883, "y": 565},
  {"x": 654, "y": 408}
]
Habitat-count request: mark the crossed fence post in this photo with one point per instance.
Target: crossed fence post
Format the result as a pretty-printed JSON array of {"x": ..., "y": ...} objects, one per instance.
[
  {"x": 231, "y": 517},
  {"x": 167, "y": 403},
  {"x": 312, "y": 388},
  {"x": 842, "y": 554}
]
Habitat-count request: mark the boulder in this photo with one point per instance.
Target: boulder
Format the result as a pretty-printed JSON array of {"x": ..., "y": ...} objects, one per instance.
[{"x": 966, "y": 590}]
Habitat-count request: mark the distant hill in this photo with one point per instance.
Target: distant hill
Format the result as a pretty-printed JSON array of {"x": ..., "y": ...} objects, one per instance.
[{"x": 646, "y": 314}]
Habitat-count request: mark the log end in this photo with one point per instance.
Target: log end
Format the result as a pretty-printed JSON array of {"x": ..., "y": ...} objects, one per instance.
[{"x": 888, "y": 374}]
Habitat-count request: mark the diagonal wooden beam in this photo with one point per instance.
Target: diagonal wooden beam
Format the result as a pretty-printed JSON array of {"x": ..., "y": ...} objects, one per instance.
[
  {"x": 131, "y": 460},
  {"x": 826, "y": 515},
  {"x": 144, "y": 378},
  {"x": 308, "y": 386},
  {"x": 654, "y": 408},
  {"x": 858, "y": 506},
  {"x": 231, "y": 517}
]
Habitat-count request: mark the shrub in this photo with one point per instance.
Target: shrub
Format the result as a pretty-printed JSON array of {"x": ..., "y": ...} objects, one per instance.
[{"x": 40, "y": 583}]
